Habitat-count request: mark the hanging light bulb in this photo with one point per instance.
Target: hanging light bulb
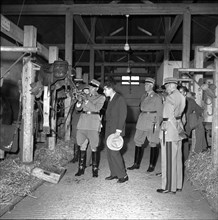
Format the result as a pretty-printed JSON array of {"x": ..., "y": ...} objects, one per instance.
[
  {"x": 126, "y": 46},
  {"x": 128, "y": 70}
]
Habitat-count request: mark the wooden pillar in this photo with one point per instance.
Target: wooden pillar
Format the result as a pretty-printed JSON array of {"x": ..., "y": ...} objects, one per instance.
[
  {"x": 92, "y": 51},
  {"x": 215, "y": 118},
  {"x": 69, "y": 59},
  {"x": 28, "y": 76},
  {"x": 53, "y": 55},
  {"x": 215, "y": 110},
  {"x": 186, "y": 39},
  {"x": 2, "y": 152}
]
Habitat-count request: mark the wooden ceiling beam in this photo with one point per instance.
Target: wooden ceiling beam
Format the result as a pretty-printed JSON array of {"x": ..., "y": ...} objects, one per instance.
[
  {"x": 109, "y": 9},
  {"x": 119, "y": 47},
  {"x": 175, "y": 26},
  {"x": 130, "y": 37},
  {"x": 119, "y": 64}
]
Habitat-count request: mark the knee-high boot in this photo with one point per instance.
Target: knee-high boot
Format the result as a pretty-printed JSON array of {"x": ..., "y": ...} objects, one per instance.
[
  {"x": 82, "y": 163},
  {"x": 75, "y": 153},
  {"x": 94, "y": 164},
  {"x": 137, "y": 159},
  {"x": 154, "y": 152}
]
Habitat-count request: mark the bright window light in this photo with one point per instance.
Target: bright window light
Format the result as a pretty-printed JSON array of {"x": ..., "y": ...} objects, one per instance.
[{"x": 127, "y": 80}]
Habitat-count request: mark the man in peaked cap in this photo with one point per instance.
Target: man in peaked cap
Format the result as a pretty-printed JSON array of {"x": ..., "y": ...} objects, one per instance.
[
  {"x": 148, "y": 125},
  {"x": 89, "y": 125},
  {"x": 171, "y": 138}
]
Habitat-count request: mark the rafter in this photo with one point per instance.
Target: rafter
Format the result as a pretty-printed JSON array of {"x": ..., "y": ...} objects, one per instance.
[{"x": 109, "y": 9}]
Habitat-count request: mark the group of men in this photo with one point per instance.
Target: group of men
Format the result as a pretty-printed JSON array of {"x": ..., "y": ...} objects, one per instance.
[{"x": 159, "y": 121}]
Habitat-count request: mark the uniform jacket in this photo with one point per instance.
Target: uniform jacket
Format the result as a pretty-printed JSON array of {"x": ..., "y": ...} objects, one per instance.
[
  {"x": 115, "y": 116},
  {"x": 152, "y": 102},
  {"x": 174, "y": 106},
  {"x": 91, "y": 121}
]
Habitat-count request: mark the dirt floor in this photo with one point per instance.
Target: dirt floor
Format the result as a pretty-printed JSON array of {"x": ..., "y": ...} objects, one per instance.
[{"x": 86, "y": 197}]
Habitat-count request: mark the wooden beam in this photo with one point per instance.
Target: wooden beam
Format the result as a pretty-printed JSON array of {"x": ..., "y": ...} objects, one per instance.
[
  {"x": 119, "y": 47},
  {"x": 14, "y": 32},
  {"x": 69, "y": 58},
  {"x": 129, "y": 37},
  {"x": 197, "y": 70},
  {"x": 28, "y": 77},
  {"x": 110, "y": 9},
  {"x": 186, "y": 39},
  {"x": 53, "y": 56},
  {"x": 18, "y": 49},
  {"x": 173, "y": 29},
  {"x": 119, "y": 64},
  {"x": 209, "y": 49}
]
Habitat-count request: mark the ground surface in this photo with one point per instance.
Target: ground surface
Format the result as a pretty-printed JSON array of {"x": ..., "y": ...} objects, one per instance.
[{"x": 94, "y": 198}]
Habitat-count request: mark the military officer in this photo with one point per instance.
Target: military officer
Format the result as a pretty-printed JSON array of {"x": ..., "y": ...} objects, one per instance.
[
  {"x": 89, "y": 126},
  {"x": 148, "y": 125},
  {"x": 171, "y": 138}
]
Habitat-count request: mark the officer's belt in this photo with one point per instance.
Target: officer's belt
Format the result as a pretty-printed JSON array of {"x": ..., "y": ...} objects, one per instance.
[
  {"x": 149, "y": 112},
  {"x": 167, "y": 119},
  {"x": 90, "y": 113}
]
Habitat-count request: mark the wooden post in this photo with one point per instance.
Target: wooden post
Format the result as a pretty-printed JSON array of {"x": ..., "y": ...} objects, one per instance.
[
  {"x": 53, "y": 55},
  {"x": 69, "y": 59},
  {"x": 92, "y": 51},
  {"x": 215, "y": 119},
  {"x": 28, "y": 76},
  {"x": 2, "y": 153},
  {"x": 186, "y": 39},
  {"x": 215, "y": 110}
]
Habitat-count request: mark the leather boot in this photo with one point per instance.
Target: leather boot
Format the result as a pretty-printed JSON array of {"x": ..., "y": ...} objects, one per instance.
[
  {"x": 154, "y": 152},
  {"x": 75, "y": 153},
  {"x": 94, "y": 164},
  {"x": 137, "y": 160},
  {"x": 82, "y": 163}
]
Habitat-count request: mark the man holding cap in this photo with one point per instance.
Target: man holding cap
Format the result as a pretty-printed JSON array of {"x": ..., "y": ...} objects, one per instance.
[
  {"x": 171, "y": 139},
  {"x": 89, "y": 126},
  {"x": 148, "y": 125},
  {"x": 116, "y": 114}
]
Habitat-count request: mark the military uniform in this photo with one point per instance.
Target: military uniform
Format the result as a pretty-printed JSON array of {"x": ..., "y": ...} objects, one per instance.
[
  {"x": 148, "y": 126},
  {"x": 171, "y": 141},
  {"x": 89, "y": 126}
]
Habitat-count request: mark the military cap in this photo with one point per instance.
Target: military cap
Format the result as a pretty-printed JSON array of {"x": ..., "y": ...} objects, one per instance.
[
  {"x": 150, "y": 80},
  {"x": 94, "y": 83},
  {"x": 170, "y": 80}
]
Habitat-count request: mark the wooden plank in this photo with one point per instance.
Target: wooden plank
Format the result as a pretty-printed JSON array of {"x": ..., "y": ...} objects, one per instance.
[
  {"x": 110, "y": 9},
  {"x": 69, "y": 58},
  {"x": 28, "y": 77},
  {"x": 18, "y": 49},
  {"x": 186, "y": 39},
  {"x": 53, "y": 55},
  {"x": 197, "y": 70},
  {"x": 52, "y": 177}
]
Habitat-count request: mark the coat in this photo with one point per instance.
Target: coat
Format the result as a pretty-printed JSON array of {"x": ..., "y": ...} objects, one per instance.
[
  {"x": 173, "y": 107},
  {"x": 116, "y": 115},
  {"x": 152, "y": 102}
]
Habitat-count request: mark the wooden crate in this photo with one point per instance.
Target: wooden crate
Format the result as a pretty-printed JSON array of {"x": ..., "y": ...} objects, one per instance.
[{"x": 52, "y": 177}]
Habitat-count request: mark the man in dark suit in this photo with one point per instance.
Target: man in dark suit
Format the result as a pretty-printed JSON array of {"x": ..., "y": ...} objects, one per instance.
[{"x": 116, "y": 114}]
